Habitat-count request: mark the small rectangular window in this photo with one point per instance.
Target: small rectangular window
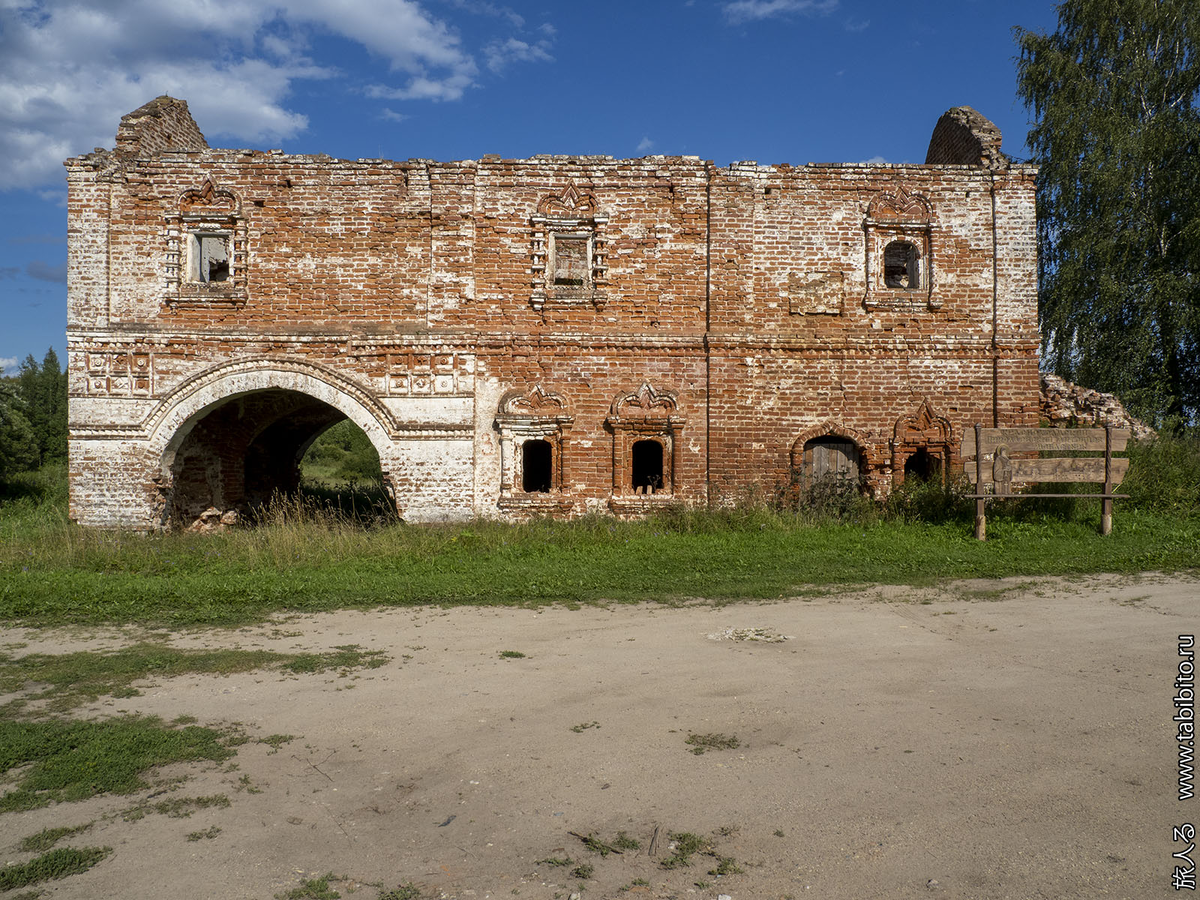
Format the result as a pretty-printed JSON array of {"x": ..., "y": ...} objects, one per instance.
[
  {"x": 571, "y": 261},
  {"x": 209, "y": 258}
]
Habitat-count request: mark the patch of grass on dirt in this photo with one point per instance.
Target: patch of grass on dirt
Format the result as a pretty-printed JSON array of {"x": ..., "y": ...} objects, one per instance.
[
  {"x": 686, "y": 845},
  {"x": 700, "y": 743},
  {"x": 204, "y": 835},
  {"x": 61, "y": 761},
  {"x": 511, "y": 654},
  {"x": 69, "y": 679},
  {"x": 51, "y": 866},
  {"x": 584, "y": 726},
  {"x": 312, "y": 889},
  {"x": 726, "y": 865},
  {"x": 342, "y": 659},
  {"x": 404, "y": 892},
  {"x": 274, "y": 741},
  {"x": 176, "y": 807},
  {"x": 47, "y": 838},
  {"x": 624, "y": 842}
]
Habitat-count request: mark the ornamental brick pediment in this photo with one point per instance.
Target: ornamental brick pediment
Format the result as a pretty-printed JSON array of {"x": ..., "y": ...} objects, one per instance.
[
  {"x": 924, "y": 426},
  {"x": 572, "y": 203},
  {"x": 535, "y": 404},
  {"x": 209, "y": 200},
  {"x": 898, "y": 205},
  {"x": 644, "y": 403}
]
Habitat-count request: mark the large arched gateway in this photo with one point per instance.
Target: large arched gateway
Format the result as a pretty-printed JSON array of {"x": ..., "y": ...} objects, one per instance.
[
  {"x": 227, "y": 438},
  {"x": 233, "y": 435}
]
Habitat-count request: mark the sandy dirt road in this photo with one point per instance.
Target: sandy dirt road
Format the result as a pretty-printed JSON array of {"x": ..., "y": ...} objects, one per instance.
[{"x": 1007, "y": 739}]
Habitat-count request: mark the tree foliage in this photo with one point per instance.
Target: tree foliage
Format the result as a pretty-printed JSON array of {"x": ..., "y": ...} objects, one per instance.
[
  {"x": 1117, "y": 135},
  {"x": 33, "y": 415},
  {"x": 18, "y": 444}
]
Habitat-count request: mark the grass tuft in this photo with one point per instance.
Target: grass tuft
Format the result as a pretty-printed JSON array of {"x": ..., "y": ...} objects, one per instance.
[
  {"x": 51, "y": 866},
  {"x": 62, "y": 761},
  {"x": 700, "y": 743},
  {"x": 47, "y": 838}
]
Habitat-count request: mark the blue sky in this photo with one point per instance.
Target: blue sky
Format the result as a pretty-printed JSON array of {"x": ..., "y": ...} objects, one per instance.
[{"x": 770, "y": 80}]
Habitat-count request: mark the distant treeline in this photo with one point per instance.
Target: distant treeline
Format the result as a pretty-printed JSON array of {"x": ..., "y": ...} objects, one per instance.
[{"x": 33, "y": 415}]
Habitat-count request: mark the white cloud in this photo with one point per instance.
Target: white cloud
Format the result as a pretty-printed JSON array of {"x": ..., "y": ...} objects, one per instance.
[
  {"x": 873, "y": 161},
  {"x": 391, "y": 115},
  {"x": 645, "y": 145},
  {"x": 489, "y": 9},
  {"x": 69, "y": 69},
  {"x": 8, "y": 365},
  {"x": 756, "y": 10},
  {"x": 500, "y": 53}
]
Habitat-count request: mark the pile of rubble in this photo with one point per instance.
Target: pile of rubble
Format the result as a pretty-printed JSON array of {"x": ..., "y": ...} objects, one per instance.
[{"x": 1064, "y": 403}]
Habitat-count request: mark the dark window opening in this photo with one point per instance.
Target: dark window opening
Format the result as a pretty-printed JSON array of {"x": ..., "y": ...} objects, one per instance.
[
  {"x": 536, "y": 467},
  {"x": 646, "y": 458},
  {"x": 212, "y": 258},
  {"x": 901, "y": 266},
  {"x": 923, "y": 466},
  {"x": 570, "y": 261}
]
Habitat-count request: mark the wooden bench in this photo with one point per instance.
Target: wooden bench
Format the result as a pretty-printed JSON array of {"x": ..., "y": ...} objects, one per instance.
[{"x": 992, "y": 457}]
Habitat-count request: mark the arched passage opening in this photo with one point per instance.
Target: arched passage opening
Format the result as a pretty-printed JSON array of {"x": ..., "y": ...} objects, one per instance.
[
  {"x": 239, "y": 453},
  {"x": 231, "y": 438}
]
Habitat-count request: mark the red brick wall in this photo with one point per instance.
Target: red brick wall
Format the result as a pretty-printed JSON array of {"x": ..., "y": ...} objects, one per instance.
[{"x": 412, "y": 295}]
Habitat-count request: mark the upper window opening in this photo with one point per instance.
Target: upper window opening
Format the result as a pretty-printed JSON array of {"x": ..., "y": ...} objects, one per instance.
[
  {"x": 537, "y": 467},
  {"x": 210, "y": 258},
  {"x": 646, "y": 458},
  {"x": 571, "y": 268},
  {"x": 901, "y": 266}
]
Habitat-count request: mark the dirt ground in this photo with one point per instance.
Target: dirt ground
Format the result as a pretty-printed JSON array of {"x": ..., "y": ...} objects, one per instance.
[{"x": 1006, "y": 739}]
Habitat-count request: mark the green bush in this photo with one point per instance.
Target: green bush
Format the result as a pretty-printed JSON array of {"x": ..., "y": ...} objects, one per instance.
[
  {"x": 342, "y": 453},
  {"x": 1164, "y": 473}
]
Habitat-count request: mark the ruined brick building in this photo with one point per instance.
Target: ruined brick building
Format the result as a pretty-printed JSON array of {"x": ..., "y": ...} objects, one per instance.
[{"x": 535, "y": 336}]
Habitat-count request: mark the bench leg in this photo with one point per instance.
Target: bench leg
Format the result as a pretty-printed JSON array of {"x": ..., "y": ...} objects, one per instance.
[
  {"x": 980, "y": 520},
  {"x": 1106, "y": 516}
]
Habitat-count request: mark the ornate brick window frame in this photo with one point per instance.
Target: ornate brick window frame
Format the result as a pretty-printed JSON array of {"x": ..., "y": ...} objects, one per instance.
[
  {"x": 206, "y": 248},
  {"x": 568, "y": 250},
  {"x": 644, "y": 415},
  {"x": 924, "y": 430},
  {"x": 532, "y": 415},
  {"x": 899, "y": 253}
]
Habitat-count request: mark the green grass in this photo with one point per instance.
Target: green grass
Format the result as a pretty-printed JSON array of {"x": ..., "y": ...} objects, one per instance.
[
  {"x": 175, "y": 807},
  {"x": 703, "y": 742},
  {"x": 47, "y": 838},
  {"x": 61, "y": 761},
  {"x": 312, "y": 889},
  {"x": 52, "y": 572},
  {"x": 686, "y": 845},
  {"x": 69, "y": 679},
  {"x": 51, "y": 866}
]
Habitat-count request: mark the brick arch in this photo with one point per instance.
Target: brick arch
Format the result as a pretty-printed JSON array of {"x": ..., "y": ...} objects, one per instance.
[
  {"x": 199, "y": 395},
  {"x": 924, "y": 429},
  {"x": 836, "y": 429}
]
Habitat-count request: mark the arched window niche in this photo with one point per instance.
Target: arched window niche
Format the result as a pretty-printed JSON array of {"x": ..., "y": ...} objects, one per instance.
[
  {"x": 646, "y": 425},
  {"x": 532, "y": 424}
]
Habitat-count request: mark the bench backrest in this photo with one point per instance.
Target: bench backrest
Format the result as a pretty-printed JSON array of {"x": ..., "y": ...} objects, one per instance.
[{"x": 999, "y": 445}]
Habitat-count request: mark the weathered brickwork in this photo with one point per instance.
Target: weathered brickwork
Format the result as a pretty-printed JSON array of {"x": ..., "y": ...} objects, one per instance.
[{"x": 540, "y": 336}]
